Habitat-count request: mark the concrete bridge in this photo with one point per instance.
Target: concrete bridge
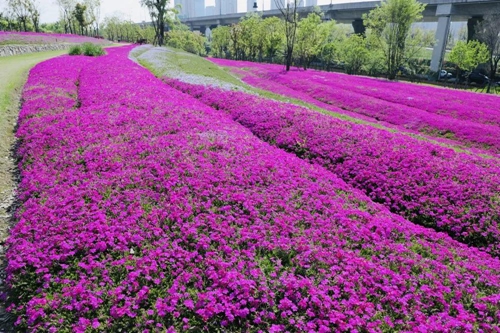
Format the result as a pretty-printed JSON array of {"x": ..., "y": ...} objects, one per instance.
[{"x": 440, "y": 11}]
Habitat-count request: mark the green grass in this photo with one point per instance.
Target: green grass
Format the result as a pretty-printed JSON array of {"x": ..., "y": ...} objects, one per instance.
[
  {"x": 179, "y": 60},
  {"x": 192, "y": 64},
  {"x": 14, "y": 71}
]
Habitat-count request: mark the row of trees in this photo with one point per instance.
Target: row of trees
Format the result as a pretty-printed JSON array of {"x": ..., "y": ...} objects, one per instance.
[
  {"x": 80, "y": 17},
  {"x": 22, "y": 15},
  {"x": 390, "y": 44},
  {"x": 77, "y": 17},
  {"x": 83, "y": 18},
  {"x": 384, "y": 47}
]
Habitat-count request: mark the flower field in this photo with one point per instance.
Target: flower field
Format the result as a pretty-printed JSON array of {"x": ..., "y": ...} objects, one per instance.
[
  {"x": 143, "y": 209},
  {"x": 426, "y": 183},
  {"x": 8, "y": 37},
  {"x": 466, "y": 118}
]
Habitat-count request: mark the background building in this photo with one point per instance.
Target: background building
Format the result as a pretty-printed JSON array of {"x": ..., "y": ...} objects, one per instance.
[
  {"x": 274, "y": 2},
  {"x": 191, "y": 8},
  {"x": 228, "y": 6}
]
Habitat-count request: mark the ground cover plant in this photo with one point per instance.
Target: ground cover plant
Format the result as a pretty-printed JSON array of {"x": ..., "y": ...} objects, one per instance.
[
  {"x": 468, "y": 126},
  {"x": 424, "y": 182},
  {"x": 144, "y": 210},
  {"x": 9, "y": 37}
]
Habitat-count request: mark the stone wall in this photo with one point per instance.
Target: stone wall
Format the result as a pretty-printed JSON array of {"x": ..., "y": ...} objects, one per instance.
[{"x": 10, "y": 50}]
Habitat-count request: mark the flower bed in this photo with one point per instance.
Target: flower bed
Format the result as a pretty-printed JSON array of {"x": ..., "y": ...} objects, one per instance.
[
  {"x": 472, "y": 128},
  {"x": 144, "y": 210},
  {"x": 424, "y": 182},
  {"x": 14, "y": 37}
]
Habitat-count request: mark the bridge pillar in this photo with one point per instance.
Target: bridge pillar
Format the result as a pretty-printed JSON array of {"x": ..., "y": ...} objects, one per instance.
[
  {"x": 443, "y": 12},
  {"x": 359, "y": 27},
  {"x": 471, "y": 26}
]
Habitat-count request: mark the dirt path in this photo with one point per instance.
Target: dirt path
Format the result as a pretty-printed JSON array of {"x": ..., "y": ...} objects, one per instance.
[{"x": 13, "y": 73}]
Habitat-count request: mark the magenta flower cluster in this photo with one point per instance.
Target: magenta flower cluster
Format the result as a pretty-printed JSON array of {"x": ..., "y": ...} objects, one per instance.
[
  {"x": 144, "y": 210},
  {"x": 468, "y": 119},
  {"x": 14, "y": 37},
  {"x": 426, "y": 183}
]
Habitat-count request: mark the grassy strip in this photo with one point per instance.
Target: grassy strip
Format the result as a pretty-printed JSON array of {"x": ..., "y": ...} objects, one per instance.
[
  {"x": 14, "y": 71},
  {"x": 192, "y": 64}
]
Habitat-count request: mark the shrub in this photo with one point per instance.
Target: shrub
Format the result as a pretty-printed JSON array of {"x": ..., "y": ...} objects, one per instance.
[
  {"x": 75, "y": 50},
  {"x": 87, "y": 49},
  {"x": 92, "y": 50}
]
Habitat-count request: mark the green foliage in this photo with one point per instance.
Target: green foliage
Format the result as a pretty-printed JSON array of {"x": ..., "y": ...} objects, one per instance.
[
  {"x": 4, "y": 22},
  {"x": 391, "y": 23},
  {"x": 221, "y": 40},
  {"x": 354, "y": 54},
  {"x": 115, "y": 28},
  {"x": 25, "y": 15},
  {"x": 376, "y": 64},
  {"x": 488, "y": 32},
  {"x": 251, "y": 32},
  {"x": 468, "y": 55},
  {"x": 416, "y": 42},
  {"x": 75, "y": 50},
  {"x": 272, "y": 36},
  {"x": 161, "y": 15},
  {"x": 55, "y": 27},
  {"x": 311, "y": 35},
  {"x": 329, "y": 53},
  {"x": 92, "y": 50},
  {"x": 87, "y": 49},
  {"x": 192, "y": 42},
  {"x": 80, "y": 16},
  {"x": 336, "y": 33}
]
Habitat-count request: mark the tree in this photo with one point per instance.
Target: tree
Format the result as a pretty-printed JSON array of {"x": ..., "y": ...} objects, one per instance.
[
  {"x": 221, "y": 39},
  {"x": 34, "y": 12},
  {"x": 391, "y": 23},
  {"x": 20, "y": 10},
  {"x": 468, "y": 55},
  {"x": 93, "y": 14},
  {"x": 311, "y": 35},
  {"x": 159, "y": 13},
  {"x": 416, "y": 41},
  {"x": 237, "y": 49},
  {"x": 79, "y": 14},
  {"x": 115, "y": 28},
  {"x": 290, "y": 17},
  {"x": 66, "y": 8},
  {"x": 4, "y": 23},
  {"x": 354, "y": 54},
  {"x": 184, "y": 39},
  {"x": 272, "y": 35},
  {"x": 488, "y": 32},
  {"x": 250, "y": 37}
]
